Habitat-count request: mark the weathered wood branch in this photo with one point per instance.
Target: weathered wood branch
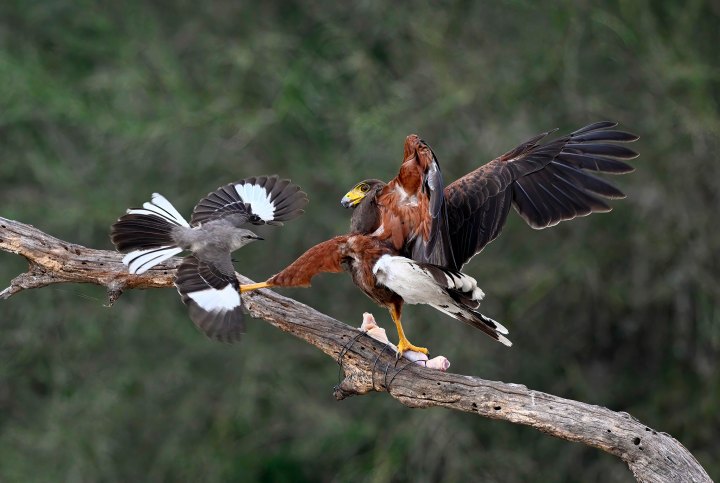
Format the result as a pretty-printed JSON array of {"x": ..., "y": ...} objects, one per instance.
[{"x": 368, "y": 365}]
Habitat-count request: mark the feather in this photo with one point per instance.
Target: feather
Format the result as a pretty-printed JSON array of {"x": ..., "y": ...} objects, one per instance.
[
  {"x": 449, "y": 291},
  {"x": 140, "y": 261},
  {"x": 161, "y": 207},
  {"x": 601, "y": 149},
  {"x": 617, "y": 136},
  {"x": 594, "y": 127},
  {"x": 595, "y": 163},
  {"x": 146, "y": 234},
  {"x": 547, "y": 182},
  {"x": 213, "y": 300},
  {"x": 264, "y": 199}
]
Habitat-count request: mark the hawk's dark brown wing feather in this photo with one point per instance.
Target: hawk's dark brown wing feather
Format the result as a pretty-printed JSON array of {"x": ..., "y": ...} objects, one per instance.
[{"x": 546, "y": 183}]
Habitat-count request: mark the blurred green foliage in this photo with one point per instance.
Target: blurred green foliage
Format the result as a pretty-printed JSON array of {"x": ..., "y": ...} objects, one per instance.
[{"x": 102, "y": 103}]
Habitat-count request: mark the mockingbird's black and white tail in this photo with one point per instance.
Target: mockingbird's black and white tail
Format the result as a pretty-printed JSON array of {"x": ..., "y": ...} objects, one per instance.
[
  {"x": 145, "y": 234},
  {"x": 212, "y": 297}
]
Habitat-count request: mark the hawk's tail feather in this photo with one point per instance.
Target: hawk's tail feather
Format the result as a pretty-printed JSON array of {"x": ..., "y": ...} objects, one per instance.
[{"x": 490, "y": 326}]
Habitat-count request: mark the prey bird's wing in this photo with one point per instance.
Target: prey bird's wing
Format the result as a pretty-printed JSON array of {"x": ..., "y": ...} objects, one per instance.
[
  {"x": 210, "y": 290},
  {"x": 545, "y": 183},
  {"x": 257, "y": 200}
]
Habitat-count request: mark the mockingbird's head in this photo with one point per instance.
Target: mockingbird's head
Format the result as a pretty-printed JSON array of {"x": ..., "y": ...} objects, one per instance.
[{"x": 244, "y": 237}]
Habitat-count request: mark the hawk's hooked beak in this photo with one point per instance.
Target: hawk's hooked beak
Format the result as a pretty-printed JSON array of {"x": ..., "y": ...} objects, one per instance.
[{"x": 352, "y": 198}]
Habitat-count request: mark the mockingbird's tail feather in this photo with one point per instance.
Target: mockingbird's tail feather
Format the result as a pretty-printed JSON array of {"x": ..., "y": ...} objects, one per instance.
[
  {"x": 140, "y": 261},
  {"x": 145, "y": 234}
]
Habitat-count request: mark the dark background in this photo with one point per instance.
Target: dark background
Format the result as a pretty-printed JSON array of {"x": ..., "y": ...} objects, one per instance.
[{"x": 100, "y": 105}]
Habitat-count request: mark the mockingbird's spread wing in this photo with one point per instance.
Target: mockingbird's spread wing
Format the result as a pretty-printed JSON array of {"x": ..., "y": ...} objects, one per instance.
[
  {"x": 210, "y": 290},
  {"x": 258, "y": 200}
]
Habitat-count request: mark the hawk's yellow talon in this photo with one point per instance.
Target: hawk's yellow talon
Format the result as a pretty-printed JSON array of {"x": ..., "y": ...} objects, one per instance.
[{"x": 404, "y": 345}]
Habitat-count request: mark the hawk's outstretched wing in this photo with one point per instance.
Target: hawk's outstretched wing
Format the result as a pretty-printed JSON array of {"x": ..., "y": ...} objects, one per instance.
[{"x": 546, "y": 183}]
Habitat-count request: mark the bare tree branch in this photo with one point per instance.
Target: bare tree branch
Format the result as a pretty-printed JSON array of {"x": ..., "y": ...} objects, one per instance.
[{"x": 370, "y": 366}]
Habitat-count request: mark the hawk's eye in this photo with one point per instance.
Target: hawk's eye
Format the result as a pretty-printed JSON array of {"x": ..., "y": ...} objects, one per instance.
[{"x": 364, "y": 188}]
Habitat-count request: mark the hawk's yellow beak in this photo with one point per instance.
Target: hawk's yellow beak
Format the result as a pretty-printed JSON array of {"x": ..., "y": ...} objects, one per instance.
[{"x": 352, "y": 198}]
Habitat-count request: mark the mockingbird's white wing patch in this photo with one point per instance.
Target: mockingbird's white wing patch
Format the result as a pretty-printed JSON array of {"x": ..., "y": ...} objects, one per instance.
[
  {"x": 216, "y": 300},
  {"x": 258, "y": 198},
  {"x": 212, "y": 298},
  {"x": 263, "y": 199}
]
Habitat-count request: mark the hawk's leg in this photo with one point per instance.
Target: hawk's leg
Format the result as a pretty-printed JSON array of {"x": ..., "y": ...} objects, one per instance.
[
  {"x": 404, "y": 344},
  {"x": 254, "y": 286}
]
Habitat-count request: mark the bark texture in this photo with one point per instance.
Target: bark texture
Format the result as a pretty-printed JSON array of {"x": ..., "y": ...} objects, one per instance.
[{"x": 368, "y": 365}]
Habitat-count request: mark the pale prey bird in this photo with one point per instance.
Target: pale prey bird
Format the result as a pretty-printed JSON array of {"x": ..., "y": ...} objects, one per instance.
[{"x": 206, "y": 278}]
